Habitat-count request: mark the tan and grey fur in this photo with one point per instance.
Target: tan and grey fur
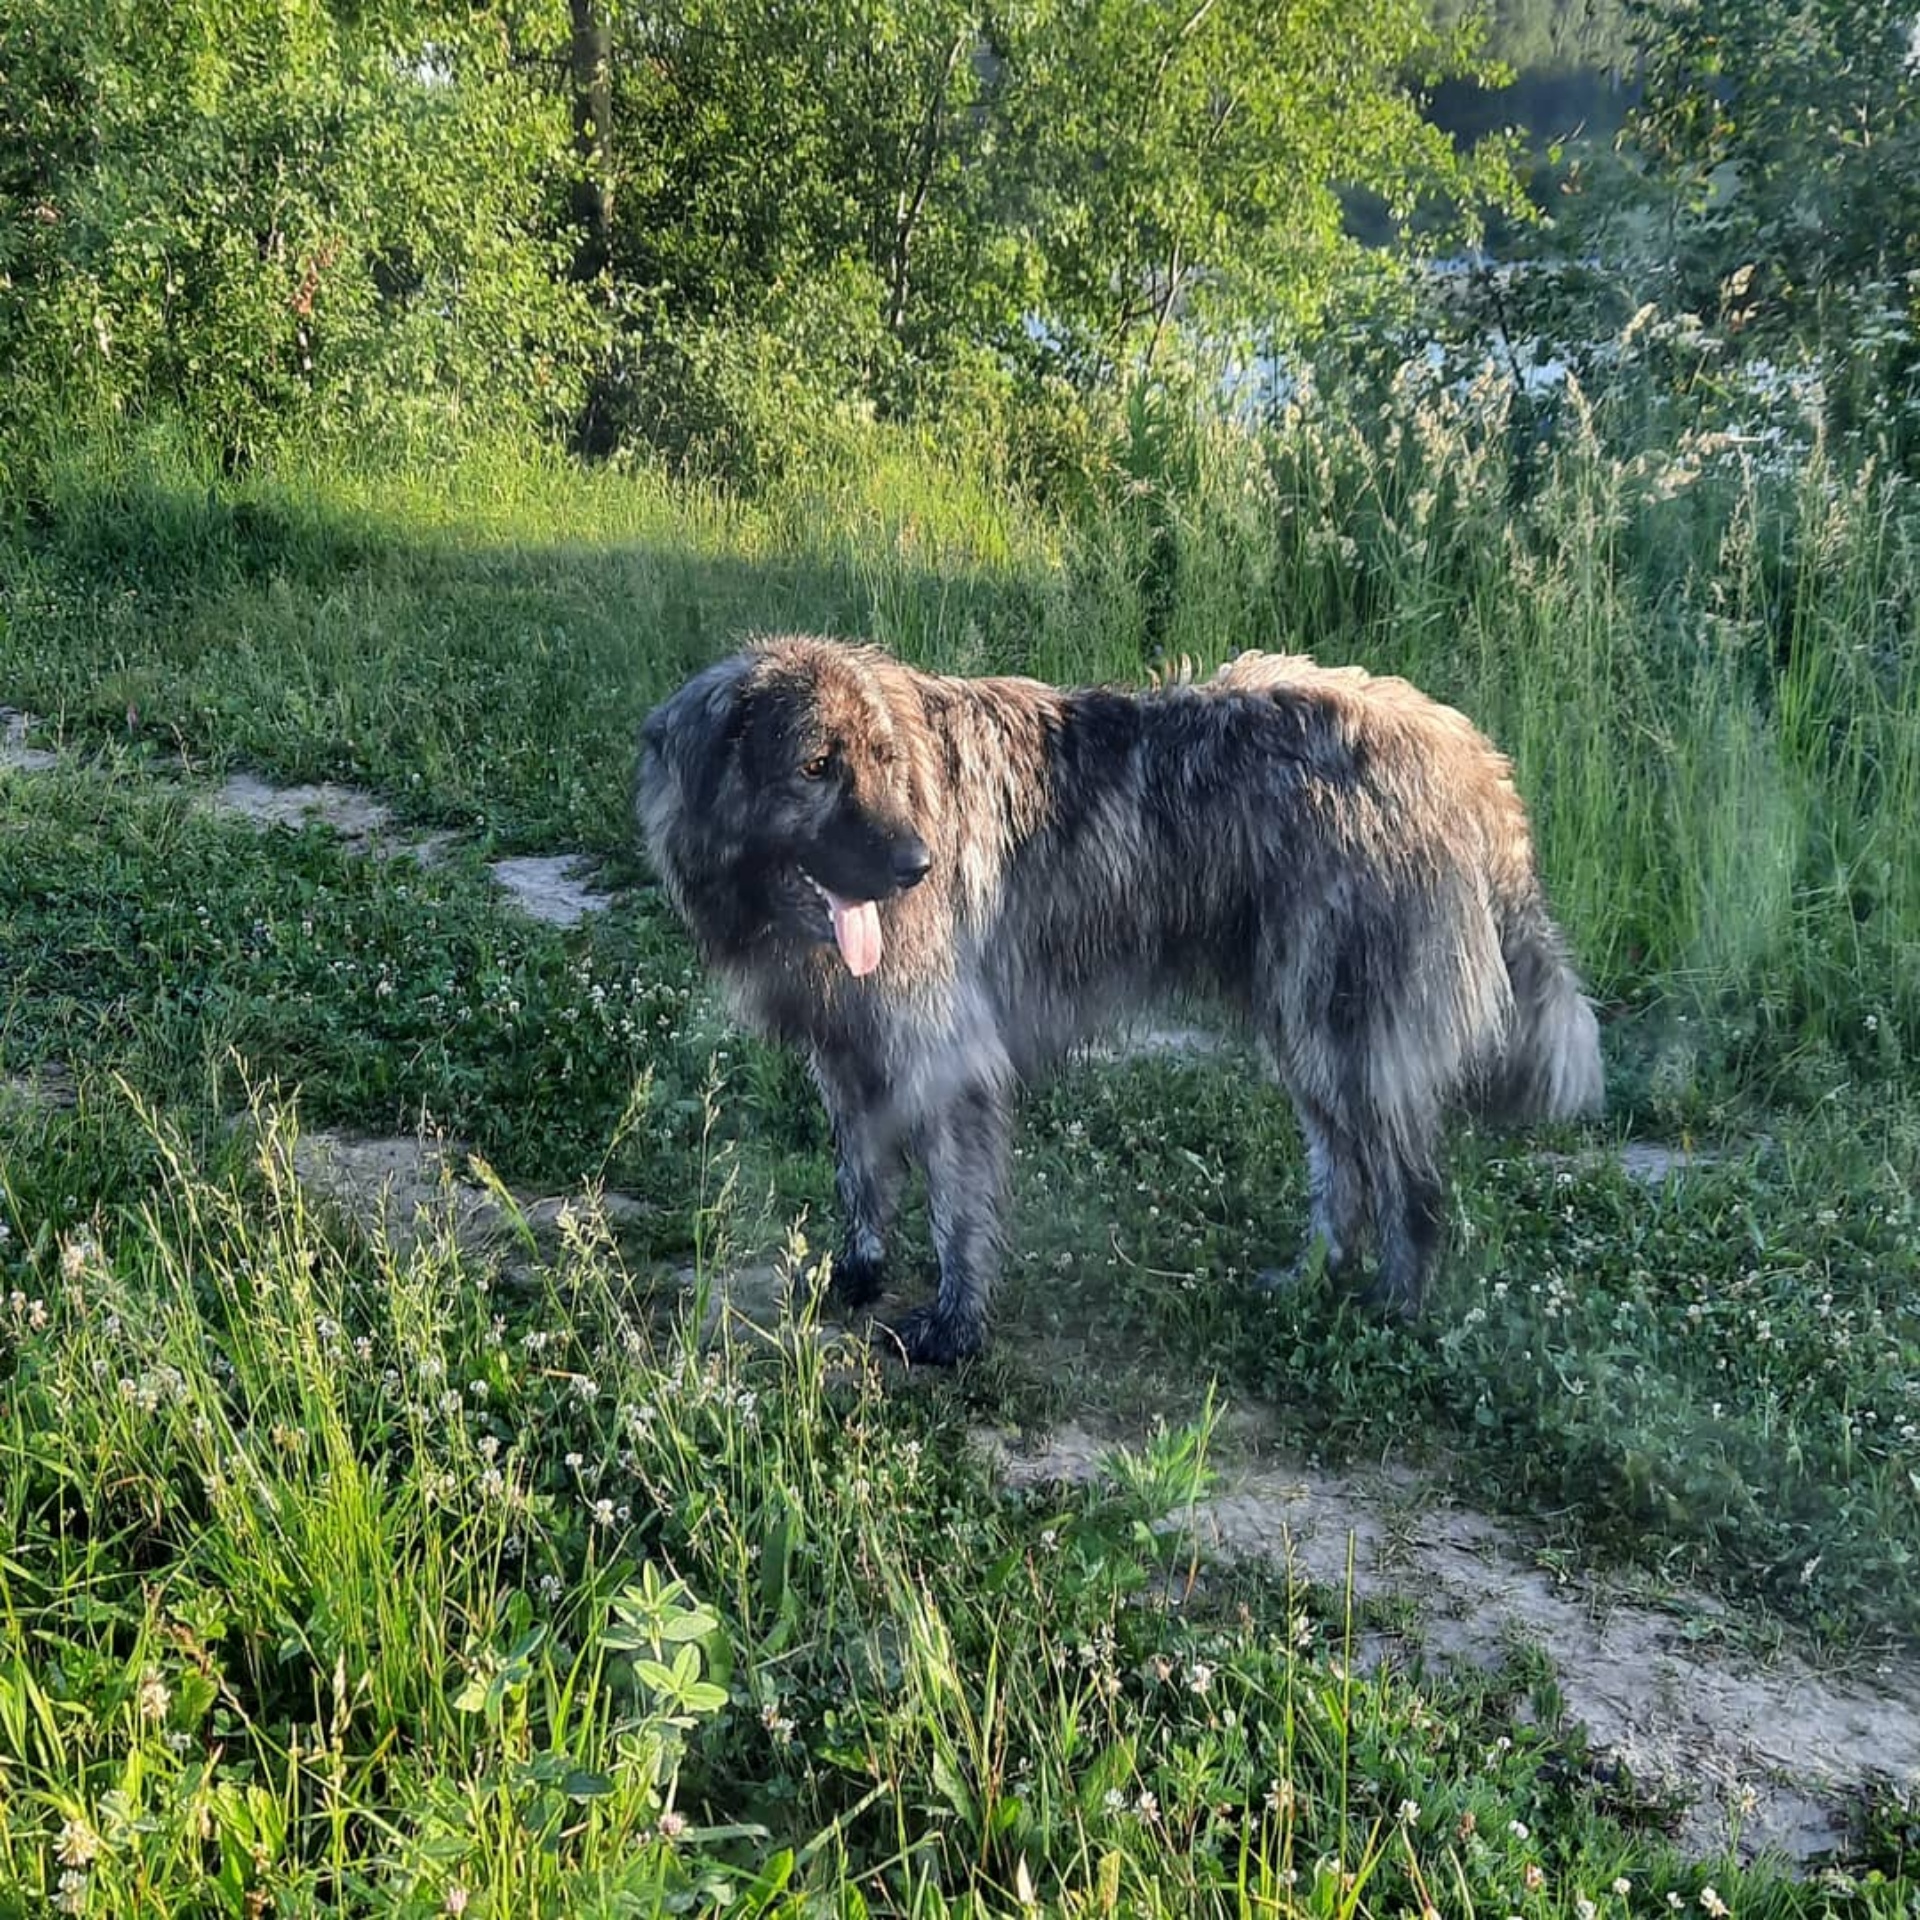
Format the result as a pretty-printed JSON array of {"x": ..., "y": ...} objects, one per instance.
[{"x": 1336, "y": 859}]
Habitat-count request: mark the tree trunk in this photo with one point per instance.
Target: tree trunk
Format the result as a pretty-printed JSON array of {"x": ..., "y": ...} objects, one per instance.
[
  {"x": 592, "y": 76},
  {"x": 913, "y": 195}
]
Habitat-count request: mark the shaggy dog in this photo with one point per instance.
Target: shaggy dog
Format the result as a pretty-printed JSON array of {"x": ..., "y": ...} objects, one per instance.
[{"x": 934, "y": 886}]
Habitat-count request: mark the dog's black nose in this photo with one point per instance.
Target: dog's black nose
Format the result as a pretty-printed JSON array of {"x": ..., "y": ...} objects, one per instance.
[{"x": 910, "y": 862}]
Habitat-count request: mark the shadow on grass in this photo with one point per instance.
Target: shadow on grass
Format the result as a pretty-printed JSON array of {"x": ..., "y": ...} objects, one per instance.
[{"x": 483, "y": 663}]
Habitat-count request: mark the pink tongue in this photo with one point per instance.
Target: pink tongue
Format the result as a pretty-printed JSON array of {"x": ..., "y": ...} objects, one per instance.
[{"x": 856, "y": 928}]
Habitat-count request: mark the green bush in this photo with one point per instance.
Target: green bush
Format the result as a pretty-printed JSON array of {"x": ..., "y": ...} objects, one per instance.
[{"x": 293, "y": 223}]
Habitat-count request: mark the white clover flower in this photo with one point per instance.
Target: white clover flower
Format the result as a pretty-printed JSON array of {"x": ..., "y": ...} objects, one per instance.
[
  {"x": 153, "y": 1698},
  {"x": 77, "y": 1845}
]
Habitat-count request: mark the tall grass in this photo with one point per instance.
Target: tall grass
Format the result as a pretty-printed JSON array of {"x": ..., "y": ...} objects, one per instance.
[
  {"x": 373, "y": 1577},
  {"x": 378, "y": 1575}
]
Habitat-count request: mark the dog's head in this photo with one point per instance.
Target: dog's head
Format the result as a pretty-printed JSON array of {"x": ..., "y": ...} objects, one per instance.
[{"x": 773, "y": 798}]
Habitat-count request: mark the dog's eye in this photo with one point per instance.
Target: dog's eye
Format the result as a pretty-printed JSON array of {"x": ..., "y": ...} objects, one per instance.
[{"x": 816, "y": 768}]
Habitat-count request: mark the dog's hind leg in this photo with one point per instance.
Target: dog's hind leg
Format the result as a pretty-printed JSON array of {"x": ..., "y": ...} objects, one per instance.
[
  {"x": 1336, "y": 1184},
  {"x": 1337, "y": 1187},
  {"x": 1409, "y": 1214},
  {"x": 869, "y": 1164},
  {"x": 966, "y": 1159}
]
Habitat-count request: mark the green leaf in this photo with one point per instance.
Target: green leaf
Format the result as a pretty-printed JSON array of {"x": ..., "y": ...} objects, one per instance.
[{"x": 473, "y": 1695}]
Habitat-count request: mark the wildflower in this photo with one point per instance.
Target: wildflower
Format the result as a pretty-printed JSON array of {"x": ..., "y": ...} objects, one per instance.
[
  {"x": 457, "y": 1898},
  {"x": 1623, "y": 1886},
  {"x": 1584, "y": 1909},
  {"x": 575, "y": 1462},
  {"x": 1533, "y": 1876},
  {"x": 72, "y": 1897},
  {"x": 1519, "y": 1829},
  {"x": 1148, "y": 1804},
  {"x": 1712, "y": 1905},
  {"x": 1409, "y": 1812},
  {"x": 153, "y": 1698},
  {"x": 1468, "y": 1821},
  {"x": 1280, "y": 1796},
  {"x": 603, "y": 1513},
  {"x": 672, "y": 1825},
  {"x": 78, "y": 1845},
  {"x": 1200, "y": 1676}
]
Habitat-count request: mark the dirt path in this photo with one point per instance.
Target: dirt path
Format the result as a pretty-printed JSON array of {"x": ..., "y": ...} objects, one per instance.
[{"x": 1766, "y": 1755}]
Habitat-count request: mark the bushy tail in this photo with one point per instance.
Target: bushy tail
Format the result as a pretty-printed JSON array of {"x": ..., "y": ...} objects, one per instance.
[{"x": 1552, "y": 1068}]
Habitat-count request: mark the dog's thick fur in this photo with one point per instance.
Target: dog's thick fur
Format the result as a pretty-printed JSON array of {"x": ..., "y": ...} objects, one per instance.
[{"x": 936, "y": 885}]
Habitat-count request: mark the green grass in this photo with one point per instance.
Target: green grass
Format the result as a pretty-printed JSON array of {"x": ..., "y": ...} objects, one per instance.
[
  {"x": 344, "y": 1579},
  {"x": 308, "y": 1595}
]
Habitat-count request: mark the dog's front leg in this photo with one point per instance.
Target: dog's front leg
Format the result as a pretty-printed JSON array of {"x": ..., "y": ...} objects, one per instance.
[
  {"x": 966, "y": 1159},
  {"x": 868, "y": 1167}
]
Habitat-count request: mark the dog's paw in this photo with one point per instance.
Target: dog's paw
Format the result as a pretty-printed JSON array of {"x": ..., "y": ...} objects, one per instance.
[
  {"x": 1392, "y": 1300},
  {"x": 856, "y": 1282},
  {"x": 930, "y": 1338},
  {"x": 1310, "y": 1265}
]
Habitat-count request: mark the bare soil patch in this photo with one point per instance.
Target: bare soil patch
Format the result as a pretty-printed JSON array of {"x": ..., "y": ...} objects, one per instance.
[{"x": 1765, "y": 1756}]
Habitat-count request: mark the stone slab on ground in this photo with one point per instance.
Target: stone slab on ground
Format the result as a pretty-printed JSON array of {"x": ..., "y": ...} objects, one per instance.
[
  {"x": 556, "y": 888},
  {"x": 15, "y": 754},
  {"x": 404, "y": 1186},
  {"x": 364, "y": 824}
]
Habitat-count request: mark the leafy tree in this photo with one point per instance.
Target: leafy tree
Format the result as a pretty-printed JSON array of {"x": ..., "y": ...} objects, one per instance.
[
  {"x": 788, "y": 149},
  {"x": 1791, "y": 129},
  {"x": 1787, "y": 135},
  {"x": 410, "y": 217},
  {"x": 278, "y": 215},
  {"x": 1201, "y": 151},
  {"x": 1088, "y": 164}
]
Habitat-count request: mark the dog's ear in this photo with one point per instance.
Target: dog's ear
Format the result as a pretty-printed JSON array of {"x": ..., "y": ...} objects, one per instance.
[{"x": 693, "y": 734}]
